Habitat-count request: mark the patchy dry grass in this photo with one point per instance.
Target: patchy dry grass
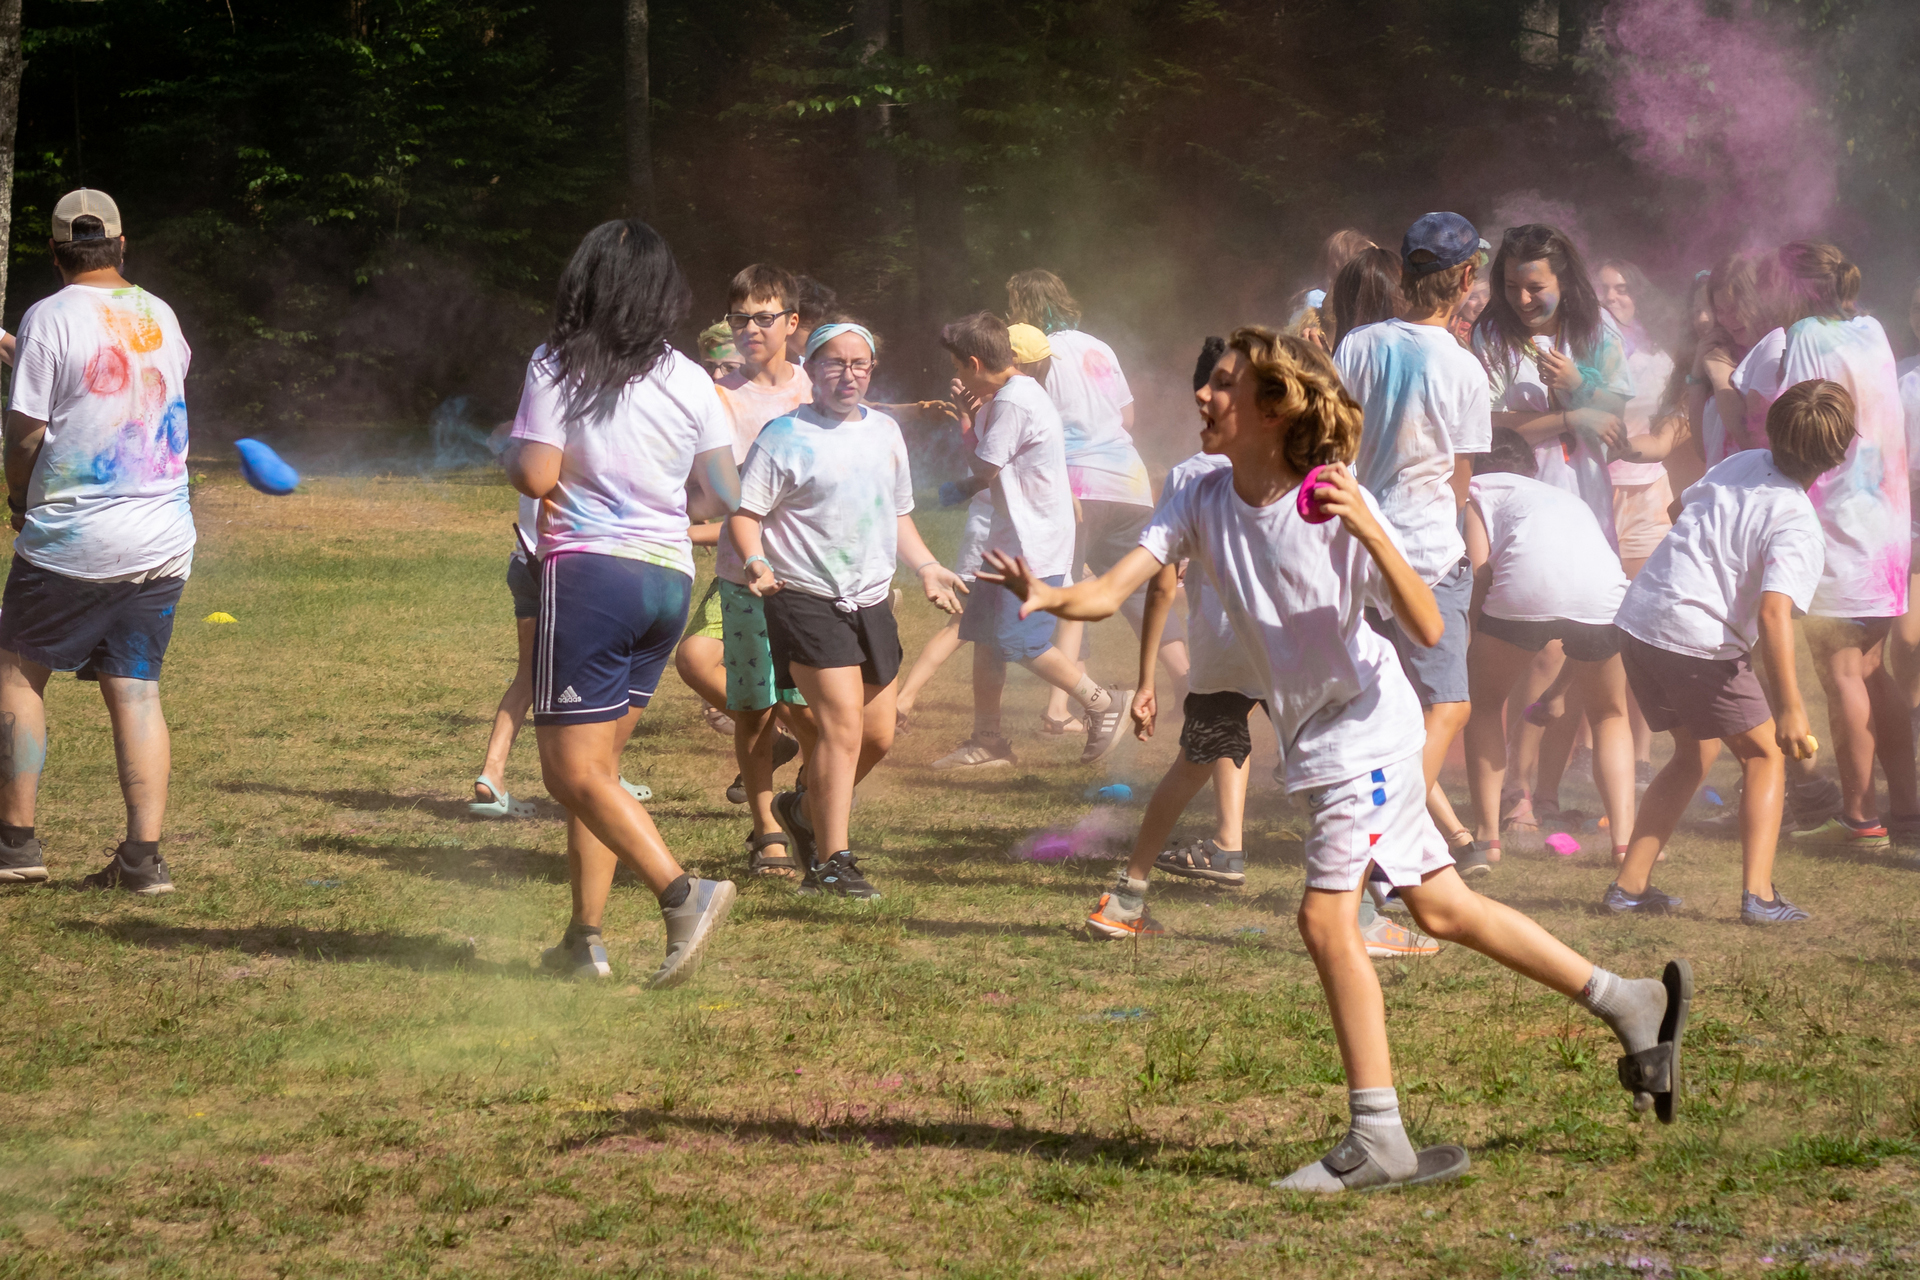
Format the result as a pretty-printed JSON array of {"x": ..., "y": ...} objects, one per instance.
[{"x": 327, "y": 1055}]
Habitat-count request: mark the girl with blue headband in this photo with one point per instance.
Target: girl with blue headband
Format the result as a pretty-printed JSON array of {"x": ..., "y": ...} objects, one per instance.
[{"x": 825, "y": 514}]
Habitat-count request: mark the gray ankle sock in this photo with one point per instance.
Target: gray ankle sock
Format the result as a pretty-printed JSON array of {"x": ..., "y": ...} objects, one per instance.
[
  {"x": 1633, "y": 1007},
  {"x": 1378, "y": 1131}
]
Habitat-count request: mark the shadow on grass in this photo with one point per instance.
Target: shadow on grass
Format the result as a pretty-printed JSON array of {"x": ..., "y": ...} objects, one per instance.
[
  {"x": 466, "y": 866},
  {"x": 643, "y": 1129},
  {"x": 415, "y": 951},
  {"x": 367, "y": 800}
]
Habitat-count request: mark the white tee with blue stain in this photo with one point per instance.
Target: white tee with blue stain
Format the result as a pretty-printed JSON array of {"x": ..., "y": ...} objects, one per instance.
[
  {"x": 1569, "y": 461},
  {"x": 1295, "y": 594},
  {"x": 624, "y": 464},
  {"x": 106, "y": 370},
  {"x": 832, "y": 494},
  {"x": 1219, "y": 663},
  {"x": 1426, "y": 402}
]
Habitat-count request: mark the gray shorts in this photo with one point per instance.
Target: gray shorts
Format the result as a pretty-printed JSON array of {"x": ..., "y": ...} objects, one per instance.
[{"x": 1438, "y": 674}]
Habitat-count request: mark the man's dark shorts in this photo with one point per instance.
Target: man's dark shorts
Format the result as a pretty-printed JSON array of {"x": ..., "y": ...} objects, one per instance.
[{"x": 92, "y": 629}]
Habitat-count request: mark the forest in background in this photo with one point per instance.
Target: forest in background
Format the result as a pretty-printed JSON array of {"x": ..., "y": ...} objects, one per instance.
[{"x": 359, "y": 207}]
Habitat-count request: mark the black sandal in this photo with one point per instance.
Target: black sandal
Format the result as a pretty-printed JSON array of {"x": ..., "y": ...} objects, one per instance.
[
  {"x": 1656, "y": 1071},
  {"x": 762, "y": 863},
  {"x": 1204, "y": 860}
]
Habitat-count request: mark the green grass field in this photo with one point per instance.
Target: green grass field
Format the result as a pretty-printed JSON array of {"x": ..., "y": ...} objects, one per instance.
[{"x": 327, "y": 1054}]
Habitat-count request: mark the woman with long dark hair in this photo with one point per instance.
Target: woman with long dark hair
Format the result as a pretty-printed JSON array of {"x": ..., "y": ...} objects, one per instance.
[
  {"x": 613, "y": 426},
  {"x": 1558, "y": 371}
]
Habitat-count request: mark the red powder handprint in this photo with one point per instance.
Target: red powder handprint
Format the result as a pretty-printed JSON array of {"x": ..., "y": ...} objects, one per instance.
[{"x": 108, "y": 372}]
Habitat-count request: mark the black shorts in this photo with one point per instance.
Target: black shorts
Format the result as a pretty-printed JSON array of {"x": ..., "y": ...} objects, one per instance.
[
  {"x": 819, "y": 633},
  {"x": 523, "y": 581},
  {"x": 92, "y": 629},
  {"x": 1216, "y": 727},
  {"x": 1582, "y": 641}
]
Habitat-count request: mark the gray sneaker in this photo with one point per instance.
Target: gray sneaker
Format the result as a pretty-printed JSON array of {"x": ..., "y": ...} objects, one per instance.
[
  {"x": 1757, "y": 910},
  {"x": 22, "y": 863},
  {"x": 689, "y": 926},
  {"x": 978, "y": 753},
  {"x": 149, "y": 878},
  {"x": 584, "y": 958},
  {"x": 1103, "y": 727}
]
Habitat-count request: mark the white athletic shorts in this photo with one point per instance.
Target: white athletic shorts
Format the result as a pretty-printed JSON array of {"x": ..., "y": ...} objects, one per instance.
[{"x": 1377, "y": 817}]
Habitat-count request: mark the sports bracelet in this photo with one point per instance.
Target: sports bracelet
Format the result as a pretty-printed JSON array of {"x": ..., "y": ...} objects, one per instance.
[
  {"x": 929, "y": 564},
  {"x": 744, "y": 564}
]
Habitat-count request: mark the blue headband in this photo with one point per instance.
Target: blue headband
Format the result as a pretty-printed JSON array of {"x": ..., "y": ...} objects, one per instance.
[{"x": 828, "y": 332}]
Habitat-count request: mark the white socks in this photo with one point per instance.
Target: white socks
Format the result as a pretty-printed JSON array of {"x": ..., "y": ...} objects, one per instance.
[
  {"x": 1633, "y": 1007},
  {"x": 1377, "y": 1131}
]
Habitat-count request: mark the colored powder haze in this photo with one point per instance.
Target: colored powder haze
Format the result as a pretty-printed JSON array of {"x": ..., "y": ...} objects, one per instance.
[{"x": 1716, "y": 104}]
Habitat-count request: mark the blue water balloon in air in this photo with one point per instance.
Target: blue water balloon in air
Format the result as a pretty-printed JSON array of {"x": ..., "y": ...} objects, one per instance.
[{"x": 264, "y": 469}]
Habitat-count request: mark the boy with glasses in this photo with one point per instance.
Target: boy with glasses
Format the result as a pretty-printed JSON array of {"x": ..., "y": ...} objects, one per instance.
[{"x": 724, "y": 655}]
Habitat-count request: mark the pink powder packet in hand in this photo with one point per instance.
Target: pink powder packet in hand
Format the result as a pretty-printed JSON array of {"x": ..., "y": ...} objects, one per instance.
[{"x": 1310, "y": 510}]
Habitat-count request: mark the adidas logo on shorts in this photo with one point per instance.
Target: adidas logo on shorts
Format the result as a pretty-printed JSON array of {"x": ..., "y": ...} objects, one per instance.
[{"x": 567, "y": 696}]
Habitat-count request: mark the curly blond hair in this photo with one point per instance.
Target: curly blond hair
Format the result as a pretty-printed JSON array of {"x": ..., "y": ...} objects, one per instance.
[{"x": 1295, "y": 380}]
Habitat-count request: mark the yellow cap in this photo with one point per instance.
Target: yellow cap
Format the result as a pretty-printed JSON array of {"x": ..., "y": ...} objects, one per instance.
[{"x": 1029, "y": 344}]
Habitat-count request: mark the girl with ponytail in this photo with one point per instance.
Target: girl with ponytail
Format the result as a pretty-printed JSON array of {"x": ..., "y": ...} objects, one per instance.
[
  {"x": 1295, "y": 572},
  {"x": 1864, "y": 507}
]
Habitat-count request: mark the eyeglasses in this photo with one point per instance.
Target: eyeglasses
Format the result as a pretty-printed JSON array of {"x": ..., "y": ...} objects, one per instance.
[
  {"x": 834, "y": 368},
  {"x": 759, "y": 319}
]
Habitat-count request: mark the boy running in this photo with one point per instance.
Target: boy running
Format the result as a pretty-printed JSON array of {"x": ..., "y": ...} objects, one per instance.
[
  {"x": 826, "y": 505},
  {"x": 1742, "y": 560},
  {"x": 96, "y": 467},
  {"x": 1349, "y": 728},
  {"x": 1022, "y": 454},
  {"x": 1426, "y": 407}
]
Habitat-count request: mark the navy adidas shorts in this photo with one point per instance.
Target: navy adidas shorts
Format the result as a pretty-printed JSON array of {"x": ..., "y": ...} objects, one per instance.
[
  {"x": 606, "y": 628},
  {"x": 92, "y": 629}
]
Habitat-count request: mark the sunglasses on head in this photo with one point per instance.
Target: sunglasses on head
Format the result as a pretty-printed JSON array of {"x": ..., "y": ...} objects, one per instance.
[{"x": 759, "y": 319}]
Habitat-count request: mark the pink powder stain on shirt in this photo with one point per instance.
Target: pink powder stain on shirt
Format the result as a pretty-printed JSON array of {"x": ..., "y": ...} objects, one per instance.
[{"x": 108, "y": 372}]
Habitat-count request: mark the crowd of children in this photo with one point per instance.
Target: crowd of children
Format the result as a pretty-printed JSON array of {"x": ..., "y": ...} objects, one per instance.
[{"x": 1471, "y": 488}]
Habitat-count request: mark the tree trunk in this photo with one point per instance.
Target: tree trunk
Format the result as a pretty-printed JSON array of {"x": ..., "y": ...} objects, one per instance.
[
  {"x": 639, "y": 139},
  {"x": 879, "y": 175},
  {"x": 939, "y": 216},
  {"x": 11, "y": 66}
]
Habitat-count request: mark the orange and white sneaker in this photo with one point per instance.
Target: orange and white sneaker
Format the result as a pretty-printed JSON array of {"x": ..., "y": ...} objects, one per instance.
[
  {"x": 1122, "y": 912},
  {"x": 1385, "y": 939}
]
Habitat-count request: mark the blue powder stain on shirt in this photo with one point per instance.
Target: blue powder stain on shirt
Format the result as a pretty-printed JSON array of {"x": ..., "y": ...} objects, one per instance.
[{"x": 173, "y": 427}]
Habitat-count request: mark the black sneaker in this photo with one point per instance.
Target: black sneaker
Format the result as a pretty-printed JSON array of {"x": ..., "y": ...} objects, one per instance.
[
  {"x": 840, "y": 876},
  {"x": 22, "y": 863},
  {"x": 737, "y": 790},
  {"x": 785, "y": 748},
  {"x": 791, "y": 815},
  {"x": 1650, "y": 902},
  {"x": 149, "y": 878}
]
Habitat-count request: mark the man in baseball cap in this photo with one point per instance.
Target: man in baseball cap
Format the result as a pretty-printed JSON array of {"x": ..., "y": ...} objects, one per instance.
[
  {"x": 96, "y": 464},
  {"x": 1427, "y": 412},
  {"x": 86, "y": 214}
]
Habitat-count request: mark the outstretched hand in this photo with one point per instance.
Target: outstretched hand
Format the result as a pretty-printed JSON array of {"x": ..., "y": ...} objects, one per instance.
[
  {"x": 1014, "y": 574},
  {"x": 944, "y": 587}
]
